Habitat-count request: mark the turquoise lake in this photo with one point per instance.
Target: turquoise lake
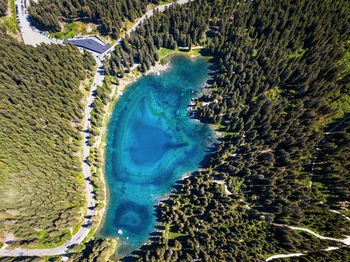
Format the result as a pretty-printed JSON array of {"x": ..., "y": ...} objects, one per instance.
[{"x": 151, "y": 143}]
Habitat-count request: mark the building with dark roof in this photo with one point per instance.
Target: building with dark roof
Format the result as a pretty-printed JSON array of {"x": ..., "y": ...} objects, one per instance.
[{"x": 89, "y": 44}]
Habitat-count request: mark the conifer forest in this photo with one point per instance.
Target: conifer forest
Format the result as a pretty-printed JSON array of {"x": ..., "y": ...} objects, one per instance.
[
  {"x": 41, "y": 110},
  {"x": 278, "y": 99}
]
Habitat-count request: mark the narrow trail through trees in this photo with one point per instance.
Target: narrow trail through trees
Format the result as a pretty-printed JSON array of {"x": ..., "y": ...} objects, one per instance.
[
  {"x": 300, "y": 254},
  {"x": 345, "y": 241}
]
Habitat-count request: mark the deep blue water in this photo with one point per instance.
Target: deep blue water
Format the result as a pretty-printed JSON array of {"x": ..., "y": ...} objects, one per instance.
[{"x": 151, "y": 143}]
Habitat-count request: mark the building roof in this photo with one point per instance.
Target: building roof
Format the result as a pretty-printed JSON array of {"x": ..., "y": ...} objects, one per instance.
[{"x": 90, "y": 44}]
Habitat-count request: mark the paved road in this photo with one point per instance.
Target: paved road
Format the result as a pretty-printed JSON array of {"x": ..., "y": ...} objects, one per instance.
[
  {"x": 31, "y": 37},
  {"x": 84, "y": 230},
  {"x": 160, "y": 8}
]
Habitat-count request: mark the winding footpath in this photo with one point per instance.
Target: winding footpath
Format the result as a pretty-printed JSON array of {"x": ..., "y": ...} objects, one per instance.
[
  {"x": 300, "y": 254},
  {"x": 345, "y": 241},
  {"x": 34, "y": 37},
  {"x": 222, "y": 182}
]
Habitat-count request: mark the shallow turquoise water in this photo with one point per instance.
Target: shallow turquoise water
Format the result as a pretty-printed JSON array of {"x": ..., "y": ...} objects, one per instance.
[{"x": 151, "y": 142}]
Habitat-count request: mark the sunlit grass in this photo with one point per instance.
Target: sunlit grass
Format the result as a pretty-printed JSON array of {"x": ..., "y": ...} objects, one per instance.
[{"x": 10, "y": 21}]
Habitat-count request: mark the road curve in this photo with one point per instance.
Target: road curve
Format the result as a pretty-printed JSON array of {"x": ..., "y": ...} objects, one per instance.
[
  {"x": 98, "y": 80},
  {"x": 84, "y": 230},
  {"x": 160, "y": 8}
]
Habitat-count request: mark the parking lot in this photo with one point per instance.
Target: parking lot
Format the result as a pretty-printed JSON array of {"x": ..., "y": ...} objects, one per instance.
[{"x": 30, "y": 35}]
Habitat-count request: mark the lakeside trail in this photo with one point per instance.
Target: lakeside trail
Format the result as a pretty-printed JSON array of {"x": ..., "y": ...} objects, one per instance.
[
  {"x": 98, "y": 80},
  {"x": 118, "y": 90}
]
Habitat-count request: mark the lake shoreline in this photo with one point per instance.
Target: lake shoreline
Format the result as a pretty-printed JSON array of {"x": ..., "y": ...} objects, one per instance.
[{"x": 117, "y": 92}]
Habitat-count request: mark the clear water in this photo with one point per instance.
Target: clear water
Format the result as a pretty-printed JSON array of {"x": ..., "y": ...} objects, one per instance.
[{"x": 151, "y": 143}]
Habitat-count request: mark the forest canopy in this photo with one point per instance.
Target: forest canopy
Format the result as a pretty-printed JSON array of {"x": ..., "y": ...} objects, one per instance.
[
  {"x": 109, "y": 14},
  {"x": 279, "y": 86},
  {"x": 3, "y": 7},
  {"x": 41, "y": 110},
  {"x": 279, "y": 91}
]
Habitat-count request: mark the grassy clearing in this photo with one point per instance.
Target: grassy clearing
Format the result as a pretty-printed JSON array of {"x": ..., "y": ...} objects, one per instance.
[
  {"x": 273, "y": 94},
  {"x": 10, "y": 21},
  {"x": 71, "y": 29},
  {"x": 78, "y": 226},
  {"x": 343, "y": 103},
  {"x": 164, "y": 53},
  {"x": 345, "y": 61},
  {"x": 172, "y": 235},
  {"x": 339, "y": 100},
  {"x": 161, "y": 3},
  {"x": 126, "y": 26},
  {"x": 220, "y": 128},
  {"x": 91, "y": 233},
  {"x": 298, "y": 53}
]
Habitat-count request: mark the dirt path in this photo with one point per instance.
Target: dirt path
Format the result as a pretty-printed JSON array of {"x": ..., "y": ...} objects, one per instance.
[{"x": 345, "y": 241}]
